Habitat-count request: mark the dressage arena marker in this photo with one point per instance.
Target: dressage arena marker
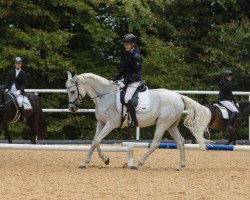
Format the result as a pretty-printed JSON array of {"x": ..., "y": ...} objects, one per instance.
[
  {"x": 129, "y": 150},
  {"x": 188, "y": 146}
]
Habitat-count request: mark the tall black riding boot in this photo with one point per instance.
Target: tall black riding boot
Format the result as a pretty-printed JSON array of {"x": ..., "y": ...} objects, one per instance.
[
  {"x": 232, "y": 118},
  {"x": 132, "y": 112}
]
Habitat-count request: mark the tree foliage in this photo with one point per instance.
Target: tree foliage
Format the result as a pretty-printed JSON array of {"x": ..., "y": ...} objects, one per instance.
[{"x": 186, "y": 44}]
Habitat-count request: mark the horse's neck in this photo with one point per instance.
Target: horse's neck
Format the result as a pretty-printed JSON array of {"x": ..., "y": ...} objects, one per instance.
[
  {"x": 245, "y": 108},
  {"x": 2, "y": 98},
  {"x": 96, "y": 88}
]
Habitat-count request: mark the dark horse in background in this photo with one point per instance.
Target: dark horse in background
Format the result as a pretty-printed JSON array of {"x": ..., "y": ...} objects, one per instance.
[
  {"x": 35, "y": 117},
  {"x": 217, "y": 122}
]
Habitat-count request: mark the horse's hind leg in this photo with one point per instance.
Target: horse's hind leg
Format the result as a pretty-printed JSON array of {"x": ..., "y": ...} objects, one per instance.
[
  {"x": 175, "y": 134},
  {"x": 160, "y": 129}
]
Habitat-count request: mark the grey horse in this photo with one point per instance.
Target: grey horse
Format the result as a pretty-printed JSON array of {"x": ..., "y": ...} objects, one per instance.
[{"x": 166, "y": 109}]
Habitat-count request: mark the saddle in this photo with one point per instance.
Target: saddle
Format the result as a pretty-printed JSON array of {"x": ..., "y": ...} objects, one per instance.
[
  {"x": 25, "y": 103},
  {"x": 140, "y": 98},
  {"x": 140, "y": 101},
  {"x": 26, "y": 106},
  {"x": 225, "y": 112}
]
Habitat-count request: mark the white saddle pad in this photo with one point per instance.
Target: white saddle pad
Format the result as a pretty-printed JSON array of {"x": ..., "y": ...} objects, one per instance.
[
  {"x": 143, "y": 102},
  {"x": 26, "y": 103},
  {"x": 223, "y": 111}
]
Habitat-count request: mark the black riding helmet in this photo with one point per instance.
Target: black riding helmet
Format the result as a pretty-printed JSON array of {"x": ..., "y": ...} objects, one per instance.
[
  {"x": 228, "y": 73},
  {"x": 128, "y": 38}
]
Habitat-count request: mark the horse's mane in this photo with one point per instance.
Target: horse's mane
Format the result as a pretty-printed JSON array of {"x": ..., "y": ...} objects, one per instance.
[{"x": 95, "y": 77}]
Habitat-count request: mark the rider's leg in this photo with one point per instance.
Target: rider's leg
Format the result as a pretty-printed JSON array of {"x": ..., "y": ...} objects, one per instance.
[
  {"x": 132, "y": 112},
  {"x": 230, "y": 106},
  {"x": 127, "y": 99},
  {"x": 21, "y": 108},
  {"x": 232, "y": 118}
]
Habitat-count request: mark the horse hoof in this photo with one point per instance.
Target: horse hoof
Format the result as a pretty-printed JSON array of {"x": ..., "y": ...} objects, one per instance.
[
  {"x": 82, "y": 167},
  {"x": 107, "y": 161},
  {"x": 133, "y": 167},
  {"x": 178, "y": 168}
]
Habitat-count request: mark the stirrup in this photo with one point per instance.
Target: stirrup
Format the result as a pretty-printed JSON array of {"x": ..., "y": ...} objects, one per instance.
[{"x": 133, "y": 124}]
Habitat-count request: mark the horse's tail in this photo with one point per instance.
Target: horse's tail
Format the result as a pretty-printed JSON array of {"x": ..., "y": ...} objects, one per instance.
[{"x": 197, "y": 120}]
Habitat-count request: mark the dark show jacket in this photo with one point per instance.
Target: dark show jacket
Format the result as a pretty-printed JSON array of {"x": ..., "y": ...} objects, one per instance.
[
  {"x": 130, "y": 67},
  {"x": 19, "y": 80},
  {"x": 226, "y": 91}
]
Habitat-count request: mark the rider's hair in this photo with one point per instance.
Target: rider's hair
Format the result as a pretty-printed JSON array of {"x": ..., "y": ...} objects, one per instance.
[{"x": 137, "y": 48}]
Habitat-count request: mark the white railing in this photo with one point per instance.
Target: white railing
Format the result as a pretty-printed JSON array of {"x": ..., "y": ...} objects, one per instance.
[{"x": 138, "y": 129}]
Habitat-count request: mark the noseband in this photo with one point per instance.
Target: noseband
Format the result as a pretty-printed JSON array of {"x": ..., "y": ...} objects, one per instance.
[{"x": 79, "y": 96}]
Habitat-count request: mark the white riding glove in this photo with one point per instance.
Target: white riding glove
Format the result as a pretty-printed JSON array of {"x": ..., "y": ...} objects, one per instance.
[{"x": 18, "y": 92}]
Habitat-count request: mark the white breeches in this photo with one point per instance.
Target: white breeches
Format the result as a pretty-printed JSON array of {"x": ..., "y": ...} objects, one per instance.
[
  {"x": 229, "y": 105},
  {"x": 19, "y": 99},
  {"x": 131, "y": 90}
]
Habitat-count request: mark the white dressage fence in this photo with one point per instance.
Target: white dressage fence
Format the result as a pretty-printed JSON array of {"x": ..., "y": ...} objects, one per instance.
[
  {"x": 217, "y": 147},
  {"x": 138, "y": 129},
  {"x": 129, "y": 150}
]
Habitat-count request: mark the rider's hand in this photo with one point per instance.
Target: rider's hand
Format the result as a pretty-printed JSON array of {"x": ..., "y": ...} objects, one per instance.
[
  {"x": 237, "y": 105},
  {"x": 18, "y": 92}
]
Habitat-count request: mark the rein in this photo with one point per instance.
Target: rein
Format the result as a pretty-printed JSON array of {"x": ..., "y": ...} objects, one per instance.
[
  {"x": 105, "y": 93},
  {"x": 79, "y": 96}
]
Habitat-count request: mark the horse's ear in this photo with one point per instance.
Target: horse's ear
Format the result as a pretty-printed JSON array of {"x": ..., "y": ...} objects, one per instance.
[
  {"x": 75, "y": 77},
  {"x": 69, "y": 75}
]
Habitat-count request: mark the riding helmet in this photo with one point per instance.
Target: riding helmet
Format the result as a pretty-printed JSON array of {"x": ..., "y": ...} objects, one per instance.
[
  {"x": 228, "y": 73},
  {"x": 18, "y": 60},
  {"x": 128, "y": 38}
]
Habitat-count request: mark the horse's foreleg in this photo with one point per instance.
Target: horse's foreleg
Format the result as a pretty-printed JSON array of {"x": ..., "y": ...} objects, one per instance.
[
  {"x": 99, "y": 127},
  {"x": 7, "y": 135},
  {"x": 104, "y": 132},
  {"x": 232, "y": 137},
  {"x": 104, "y": 158},
  {"x": 3, "y": 127},
  {"x": 154, "y": 145},
  {"x": 175, "y": 134},
  {"x": 96, "y": 143}
]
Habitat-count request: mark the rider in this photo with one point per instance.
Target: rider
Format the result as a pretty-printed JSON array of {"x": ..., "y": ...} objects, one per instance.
[
  {"x": 226, "y": 97},
  {"x": 130, "y": 69},
  {"x": 16, "y": 83}
]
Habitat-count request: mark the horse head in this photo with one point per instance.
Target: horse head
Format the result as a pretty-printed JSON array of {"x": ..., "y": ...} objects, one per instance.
[{"x": 75, "y": 94}]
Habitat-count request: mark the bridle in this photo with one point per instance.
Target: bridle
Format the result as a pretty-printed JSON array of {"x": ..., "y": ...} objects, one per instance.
[{"x": 79, "y": 96}]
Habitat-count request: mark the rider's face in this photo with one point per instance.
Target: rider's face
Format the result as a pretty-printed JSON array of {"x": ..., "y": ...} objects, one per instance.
[
  {"x": 229, "y": 78},
  {"x": 128, "y": 46},
  {"x": 18, "y": 65}
]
